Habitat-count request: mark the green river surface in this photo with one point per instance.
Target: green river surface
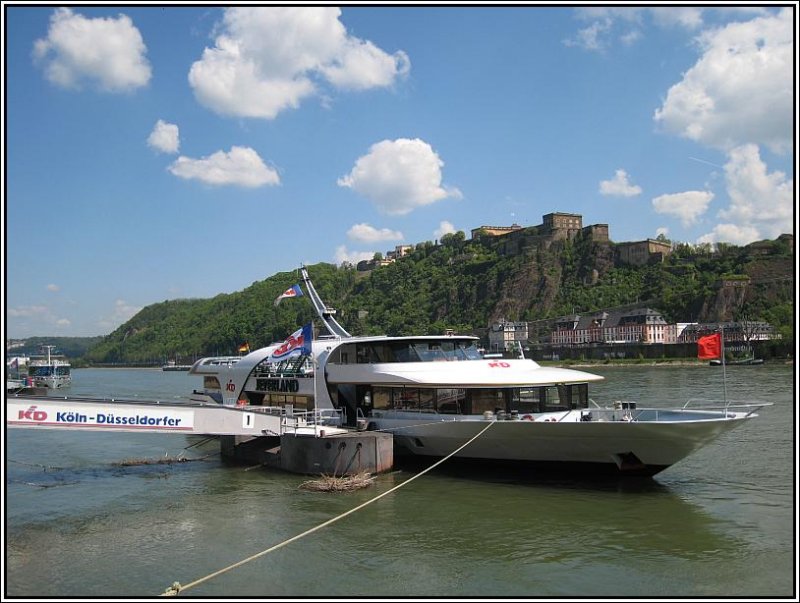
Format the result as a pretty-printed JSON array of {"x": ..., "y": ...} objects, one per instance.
[{"x": 720, "y": 523}]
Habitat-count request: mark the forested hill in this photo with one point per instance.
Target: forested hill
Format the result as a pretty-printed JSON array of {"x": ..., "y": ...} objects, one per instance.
[{"x": 465, "y": 285}]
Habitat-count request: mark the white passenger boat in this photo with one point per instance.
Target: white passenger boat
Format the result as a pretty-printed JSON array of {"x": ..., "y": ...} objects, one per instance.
[
  {"x": 435, "y": 393},
  {"x": 49, "y": 369}
]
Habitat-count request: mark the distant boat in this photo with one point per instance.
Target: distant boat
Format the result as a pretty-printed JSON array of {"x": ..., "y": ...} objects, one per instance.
[
  {"x": 50, "y": 369},
  {"x": 173, "y": 366},
  {"x": 738, "y": 361},
  {"x": 24, "y": 387}
]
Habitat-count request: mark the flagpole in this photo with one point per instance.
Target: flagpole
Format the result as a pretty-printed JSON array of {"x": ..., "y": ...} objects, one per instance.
[{"x": 722, "y": 354}]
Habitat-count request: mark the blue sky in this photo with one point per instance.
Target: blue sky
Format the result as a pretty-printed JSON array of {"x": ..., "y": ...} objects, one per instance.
[{"x": 161, "y": 153}]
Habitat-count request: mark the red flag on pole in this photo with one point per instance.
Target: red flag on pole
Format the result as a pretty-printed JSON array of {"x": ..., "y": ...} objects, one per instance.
[{"x": 709, "y": 346}]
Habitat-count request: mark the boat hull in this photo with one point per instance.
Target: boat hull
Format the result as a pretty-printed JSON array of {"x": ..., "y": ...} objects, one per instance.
[
  {"x": 53, "y": 382},
  {"x": 604, "y": 447}
]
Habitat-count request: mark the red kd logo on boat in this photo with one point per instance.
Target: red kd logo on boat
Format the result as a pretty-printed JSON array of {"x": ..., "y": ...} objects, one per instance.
[
  {"x": 499, "y": 364},
  {"x": 32, "y": 414}
]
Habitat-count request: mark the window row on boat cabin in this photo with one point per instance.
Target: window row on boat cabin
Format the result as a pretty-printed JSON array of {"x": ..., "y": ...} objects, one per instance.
[
  {"x": 406, "y": 350},
  {"x": 476, "y": 401}
]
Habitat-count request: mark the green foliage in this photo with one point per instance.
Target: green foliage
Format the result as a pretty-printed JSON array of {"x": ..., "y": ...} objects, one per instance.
[
  {"x": 72, "y": 347},
  {"x": 462, "y": 285}
]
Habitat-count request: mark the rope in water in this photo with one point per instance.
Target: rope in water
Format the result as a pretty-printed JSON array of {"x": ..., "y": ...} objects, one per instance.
[{"x": 177, "y": 587}]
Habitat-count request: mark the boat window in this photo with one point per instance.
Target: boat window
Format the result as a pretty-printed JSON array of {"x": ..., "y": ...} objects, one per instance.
[
  {"x": 381, "y": 398},
  {"x": 419, "y": 399},
  {"x": 533, "y": 399},
  {"x": 380, "y": 352},
  {"x": 211, "y": 382},
  {"x": 406, "y": 350},
  {"x": 573, "y": 396},
  {"x": 428, "y": 352},
  {"x": 298, "y": 402},
  {"x": 363, "y": 355},
  {"x": 529, "y": 399},
  {"x": 291, "y": 366},
  {"x": 412, "y": 398},
  {"x": 451, "y": 401},
  {"x": 486, "y": 399}
]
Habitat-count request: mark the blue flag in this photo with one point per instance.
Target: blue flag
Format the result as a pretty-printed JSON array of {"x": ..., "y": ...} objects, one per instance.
[{"x": 293, "y": 291}]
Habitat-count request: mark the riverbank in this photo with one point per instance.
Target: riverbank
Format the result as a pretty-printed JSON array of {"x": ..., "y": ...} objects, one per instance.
[{"x": 638, "y": 363}]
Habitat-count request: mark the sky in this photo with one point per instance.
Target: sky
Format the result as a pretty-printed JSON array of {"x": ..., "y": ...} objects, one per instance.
[{"x": 157, "y": 153}]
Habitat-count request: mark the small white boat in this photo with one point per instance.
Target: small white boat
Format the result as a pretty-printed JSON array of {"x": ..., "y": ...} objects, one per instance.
[
  {"x": 436, "y": 393},
  {"x": 171, "y": 365},
  {"x": 738, "y": 362},
  {"x": 15, "y": 385},
  {"x": 49, "y": 369}
]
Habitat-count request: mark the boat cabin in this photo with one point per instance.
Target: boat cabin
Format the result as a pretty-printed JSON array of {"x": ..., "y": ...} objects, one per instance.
[{"x": 372, "y": 392}]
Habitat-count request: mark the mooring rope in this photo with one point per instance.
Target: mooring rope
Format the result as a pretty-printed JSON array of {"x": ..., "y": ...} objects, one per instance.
[{"x": 177, "y": 587}]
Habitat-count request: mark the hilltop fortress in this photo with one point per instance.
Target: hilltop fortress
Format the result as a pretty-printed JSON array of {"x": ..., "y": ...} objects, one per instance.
[{"x": 556, "y": 226}]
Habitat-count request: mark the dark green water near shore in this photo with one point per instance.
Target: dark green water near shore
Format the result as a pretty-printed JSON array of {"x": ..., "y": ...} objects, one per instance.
[{"x": 719, "y": 524}]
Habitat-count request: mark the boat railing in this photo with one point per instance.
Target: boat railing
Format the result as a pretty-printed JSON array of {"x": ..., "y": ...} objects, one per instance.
[
  {"x": 292, "y": 421},
  {"x": 710, "y": 404},
  {"x": 284, "y": 374}
]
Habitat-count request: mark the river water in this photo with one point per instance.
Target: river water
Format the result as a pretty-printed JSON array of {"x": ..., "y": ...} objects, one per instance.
[{"x": 718, "y": 524}]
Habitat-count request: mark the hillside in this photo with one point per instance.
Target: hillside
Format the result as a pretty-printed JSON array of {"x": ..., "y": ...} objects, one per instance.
[{"x": 465, "y": 285}]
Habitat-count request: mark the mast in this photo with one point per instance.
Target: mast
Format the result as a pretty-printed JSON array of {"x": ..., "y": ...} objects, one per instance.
[{"x": 325, "y": 313}]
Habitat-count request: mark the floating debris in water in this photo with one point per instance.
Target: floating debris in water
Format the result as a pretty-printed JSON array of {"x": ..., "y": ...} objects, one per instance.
[
  {"x": 165, "y": 460},
  {"x": 344, "y": 483}
]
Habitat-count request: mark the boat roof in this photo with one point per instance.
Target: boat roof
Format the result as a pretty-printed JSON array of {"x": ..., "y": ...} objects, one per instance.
[{"x": 368, "y": 338}]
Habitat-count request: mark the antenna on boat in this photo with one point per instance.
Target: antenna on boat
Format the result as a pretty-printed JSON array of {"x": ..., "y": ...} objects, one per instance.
[{"x": 325, "y": 313}]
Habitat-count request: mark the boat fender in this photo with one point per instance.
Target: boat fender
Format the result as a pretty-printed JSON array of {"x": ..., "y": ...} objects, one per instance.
[{"x": 527, "y": 417}]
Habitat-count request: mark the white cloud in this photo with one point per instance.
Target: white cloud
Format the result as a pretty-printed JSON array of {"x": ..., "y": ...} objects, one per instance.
[
  {"x": 627, "y": 25},
  {"x": 688, "y": 17},
  {"x": 688, "y": 206},
  {"x": 268, "y": 59},
  {"x": 361, "y": 65},
  {"x": 761, "y": 203},
  {"x": 164, "y": 137},
  {"x": 124, "y": 311},
  {"x": 398, "y": 176},
  {"x": 593, "y": 36},
  {"x": 121, "y": 313},
  {"x": 365, "y": 233},
  {"x": 662, "y": 230},
  {"x": 352, "y": 257},
  {"x": 107, "y": 52},
  {"x": 730, "y": 233},
  {"x": 53, "y": 287},
  {"x": 240, "y": 167},
  {"x": 38, "y": 317},
  {"x": 445, "y": 227},
  {"x": 740, "y": 91},
  {"x": 619, "y": 186},
  {"x": 28, "y": 311}
]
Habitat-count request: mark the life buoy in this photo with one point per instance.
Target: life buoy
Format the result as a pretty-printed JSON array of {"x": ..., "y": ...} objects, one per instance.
[{"x": 527, "y": 417}]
